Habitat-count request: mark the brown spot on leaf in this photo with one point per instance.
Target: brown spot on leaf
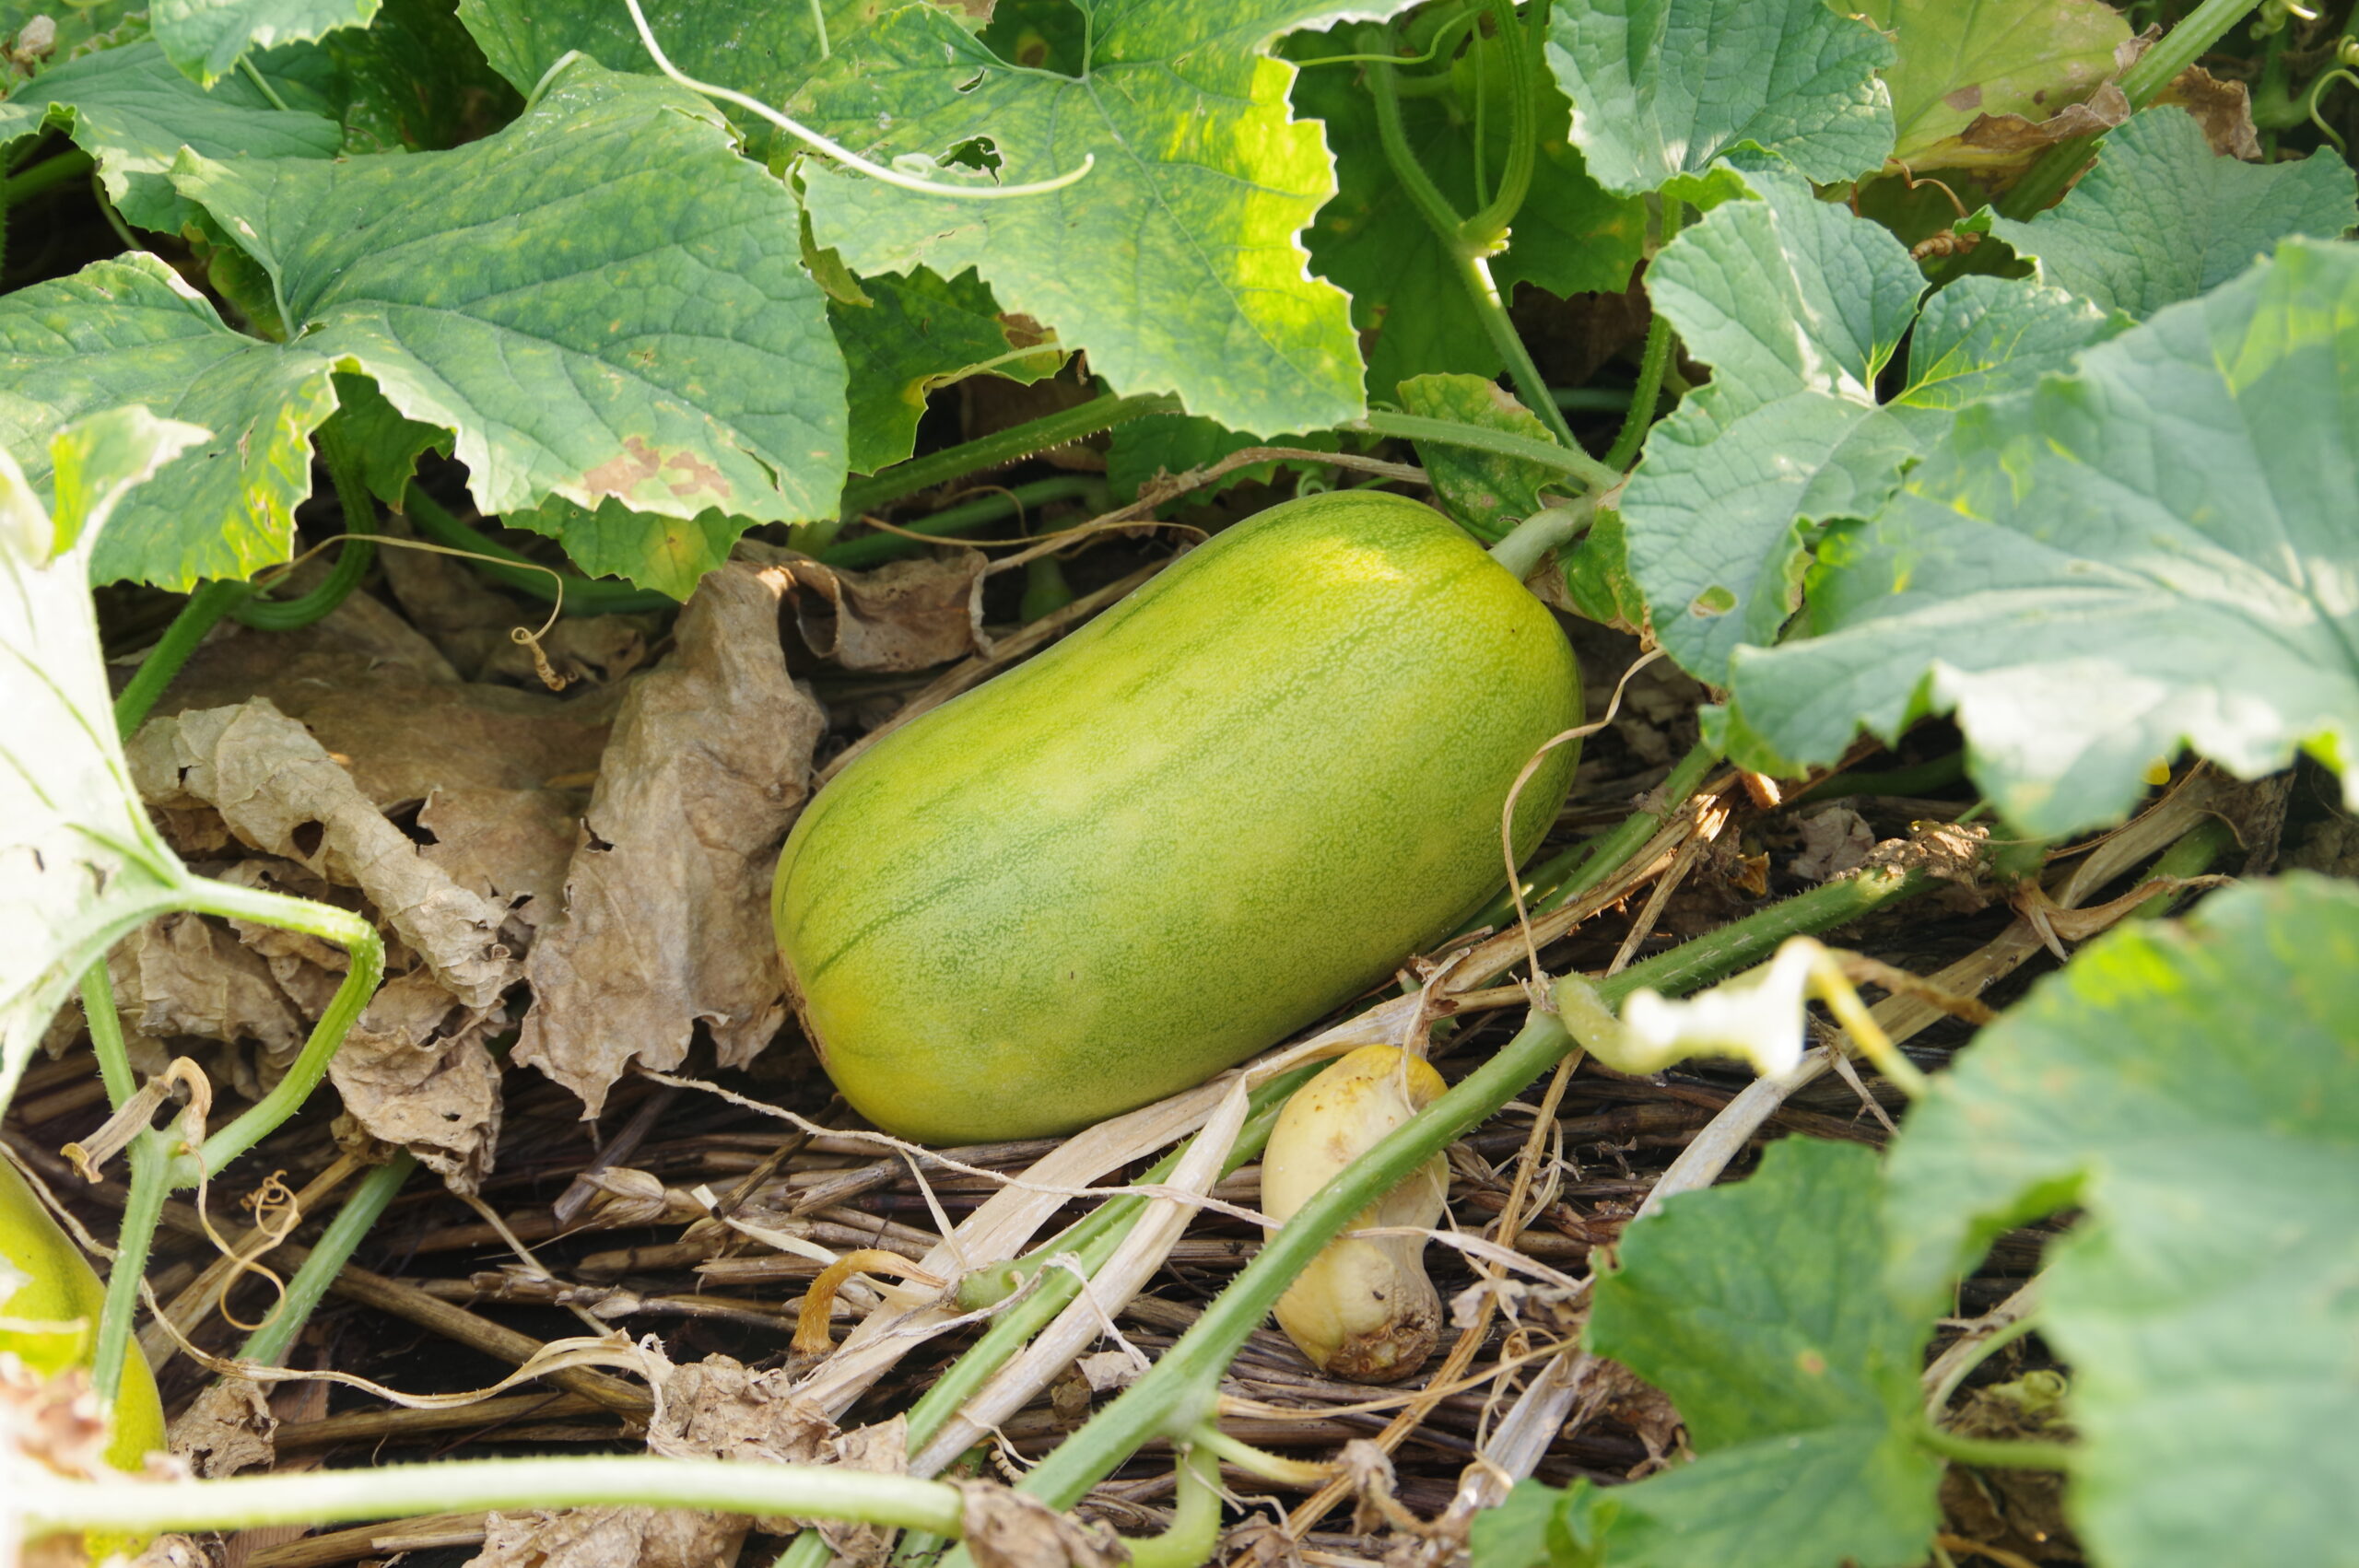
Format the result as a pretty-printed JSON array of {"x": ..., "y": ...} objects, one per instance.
[
  {"x": 1966, "y": 98},
  {"x": 625, "y": 472}
]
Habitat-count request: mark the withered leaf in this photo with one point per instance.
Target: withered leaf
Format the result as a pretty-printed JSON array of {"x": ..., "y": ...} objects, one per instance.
[
  {"x": 611, "y": 1538},
  {"x": 1010, "y": 1529},
  {"x": 904, "y": 615},
  {"x": 281, "y": 794},
  {"x": 182, "y": 975},
  {"x": 228, "y": 1430},
  {"x": 666, "y": 918},
  {"x": 414, "y": 1070}
]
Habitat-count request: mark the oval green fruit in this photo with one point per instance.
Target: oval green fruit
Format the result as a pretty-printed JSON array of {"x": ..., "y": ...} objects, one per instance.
[
  {"x": 53, "y": 1317},
  {"x": 1228, "y": 804}
]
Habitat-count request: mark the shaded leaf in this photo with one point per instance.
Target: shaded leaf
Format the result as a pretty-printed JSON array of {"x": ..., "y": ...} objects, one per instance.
[
  {"x": 80, "y": 863},
  {"x": 1763, "y": 1311},
  {"x": 2195, "y": 1089},
  {"x": 1570, "y": 237},
  {"x": 601, "y": 300},
  {"x": 2162, "y": 217},
  {"x": 1487, "y": 494},
  {"x": 131, "y": 111},
  {"x": 1957, "y": 61},
  {"x": 1662, "y": 88},
  {"x": 916, "y": 333},
  {"x": 2143, "y": 555},
  {"x": 1799, "y": 307},
  {"x": 412, "y": 78},
  {"x": 1143, "y": 450},
  {"x": 82, "y": 29},
  {"x": 1175, "y": 261}
]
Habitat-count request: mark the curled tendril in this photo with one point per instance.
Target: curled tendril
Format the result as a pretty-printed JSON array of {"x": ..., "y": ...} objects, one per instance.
[{"x": 836, "y": 150}]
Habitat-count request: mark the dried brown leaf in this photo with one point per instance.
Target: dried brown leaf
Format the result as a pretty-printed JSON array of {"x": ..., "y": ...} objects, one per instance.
[
  {"x": 666, "y": 920},
  {"x": 414, "y": 1070},
  {"x": 1009, "y": 1529},
  {"x": 228, "y": 1430},
  {"x": 281, "y": 794},
  {"x": 1834, "y": 841},
  {"x": 2223, "y": 107},
  {"x": 884, "y": 1449},
  {"x": 509, "y": 847},
  {"x": 611, "y": 1538},
  {"x": 182, "y": 974},
  {"x": 904, "y": 615}
]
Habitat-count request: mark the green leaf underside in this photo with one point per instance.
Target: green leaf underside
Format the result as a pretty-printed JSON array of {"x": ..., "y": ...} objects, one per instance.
[
  {"x": 768, "y": 51},
  {"x": 79, "y": 861},
  {"x": 1958, "y": 60},
  {"x": 1662, "y": 88},
  {"x": 1762, "y": 1309},
  {"x": 601, "y": 300},
  {"x": 1174, "y": 263},
  {"x": 131, "y": 111},
  {"x": 919, "y": 332},
  {"x": 1145, "y": 449},
  {"x": 2155, "y": 550},
  {"x": 1487, "y": 494},
  {"x": 667, "y": 554},
  {"x": 2162, "y": 217},
  {"x": 1570, "y": 237},
  {"x": 412, "y": 78},
  {"x": 2195, "y": 1089},
  {"x": 1797, "y": 306},
  {"x": 207, "y": 38}
]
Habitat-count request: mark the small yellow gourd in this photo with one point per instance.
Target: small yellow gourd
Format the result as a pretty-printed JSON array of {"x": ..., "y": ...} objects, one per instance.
[{"x": 1364, "y": 1309}]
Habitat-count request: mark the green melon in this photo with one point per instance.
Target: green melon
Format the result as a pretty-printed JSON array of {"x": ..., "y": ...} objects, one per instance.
[{"x": 1232, "y": 802}]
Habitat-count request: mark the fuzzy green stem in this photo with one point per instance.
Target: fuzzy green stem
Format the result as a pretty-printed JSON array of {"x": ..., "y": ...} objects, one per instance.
[
  {"x": 1195, "y": 1521},
  {"x": 1544, "y": 531},
  {"x": 997, "y": 451},
  {"x": 151, "y": 1165},
  {"x": 199, "y": 616},
  {"x": 874, "y": 549},
  {"x": 1465, "y": 254},
  {"x": 1996, "y": 1454},
  {"x": 268, "y": 1345},
  {"x": 106, "y": 1035},
  {"x": 583, "y": 596},
  {"x": 2196, "y": 848},
  {"x": 354, "y": 556},
  {"x": 2155, "y": 70},
  {"x": 1487, "y": 228},
  {"x": 387, "y": 1491},
  {"x": 1655, "y": 359},
  {"x": 341, "y": 927},
  {"x": 49, "y": 173},
  {"x": 1919, "y": 780},
  {"x": 1570, "y": 460},
  {"x": 1178, "y": 1392},
  {"x": 1991, "y": 1344}
]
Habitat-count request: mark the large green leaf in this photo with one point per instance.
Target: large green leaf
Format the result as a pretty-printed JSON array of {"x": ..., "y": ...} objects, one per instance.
[
  {"x": 1958, "y": 60},
  {"x": 131, "y": 111},
  {"x": 1764, "y": 1311},
  {"x": 767, "y": 51},
  {"x": 601, "y": 300},
  {"x": 80, "y": 864},
  {"x": 2162, "y": 217},
  {"x": 1175, "y": 261},
  {"x": 1662, "y": 88},
  {"x": 207, "y": 38},
  {"x": 1798, "y": 306},
  {"x": 2156, "y": 550},
  {"x": 2195, "y": 1091},
  {"x": 1570, "y": 237}
]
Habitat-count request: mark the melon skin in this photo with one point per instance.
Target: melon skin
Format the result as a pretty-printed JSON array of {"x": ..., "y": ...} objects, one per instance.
[{"x": 1225, "y": 806}]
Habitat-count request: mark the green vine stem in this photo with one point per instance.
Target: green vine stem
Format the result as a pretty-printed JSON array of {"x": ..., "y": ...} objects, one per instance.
[
  {"x": 1570, "y": 461},
  {"x": 874, "y": 549},
  {"x": 1005, "y": 447},
  {"x": 1919, "y": 778},
  {"x": 199, "y": 616},
  {"x": 354, "y": 556},
  {"x": 1179, "y": 1392},
  {"x": 1488, "y": 230},
  {"x": 1995, "y": 1454},
  {"x": 1466, "y": 254},
  {"x": 151, "y": 1165},
  {"x": 1991, "y": 1344},
  {"x": 341, "y": 927},
  {"x": 2155, "y": 70},
  {"x": 1544, "y": 531},
  {"x": 583, "y": 596},
  {"x": 831, "y": 1491},
  {"x": 268, "y": 1345},
  {"x": 1652, "y": 362},
  {"x": 1195, "y": 1518}
]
